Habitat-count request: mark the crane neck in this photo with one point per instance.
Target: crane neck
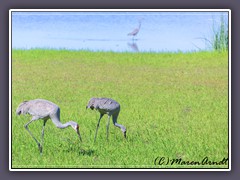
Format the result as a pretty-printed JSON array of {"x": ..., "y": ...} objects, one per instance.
[
  {"x": 62, "y": 126},
  {"x": 56, "y": 120},
  {"x": 139, "y": 26},
  {"x": 123, "y": 129}
]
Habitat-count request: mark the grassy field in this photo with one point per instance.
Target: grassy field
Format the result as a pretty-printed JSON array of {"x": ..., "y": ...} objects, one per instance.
[{"x": 174, "y": 105}]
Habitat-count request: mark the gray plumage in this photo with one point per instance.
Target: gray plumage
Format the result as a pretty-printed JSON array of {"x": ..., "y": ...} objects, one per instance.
[
  {"x": 44, "y": 109},
  {"x": 106, "y": 106},
  {"x": 135, "y": 31}
]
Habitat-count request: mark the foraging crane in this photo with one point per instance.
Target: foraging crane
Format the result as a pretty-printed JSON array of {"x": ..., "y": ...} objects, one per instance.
[
  {"x": 135, "y": 31},
  {"x": 106, "y": 106},
  {"x": 44, "y": 109}
]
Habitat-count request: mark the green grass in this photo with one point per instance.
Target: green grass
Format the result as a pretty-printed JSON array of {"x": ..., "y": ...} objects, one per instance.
[{"x": 174, "y": 105}]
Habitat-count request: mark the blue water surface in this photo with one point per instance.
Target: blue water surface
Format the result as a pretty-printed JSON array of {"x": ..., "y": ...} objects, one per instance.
[{"x": 107, "y": 31}]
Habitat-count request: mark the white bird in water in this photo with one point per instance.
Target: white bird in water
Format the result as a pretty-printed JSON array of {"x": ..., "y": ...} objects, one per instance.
[
  {"x": 44, "y": 109},
  {"x": 106, "y": 106}
]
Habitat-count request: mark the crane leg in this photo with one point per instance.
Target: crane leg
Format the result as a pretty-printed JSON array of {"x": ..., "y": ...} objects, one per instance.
[
  {"x": 101, "y": 115},
  {"x": 26, "y": 127},
  {"x": 108, "y": 126},
  {"x": 44, "y": 123}
]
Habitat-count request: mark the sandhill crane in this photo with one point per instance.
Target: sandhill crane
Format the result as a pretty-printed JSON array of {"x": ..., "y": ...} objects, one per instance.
[
  {"x": 135, "y": 31},
  {"x": 44, "y": 109},
  {"x": 106, "y": 106}
]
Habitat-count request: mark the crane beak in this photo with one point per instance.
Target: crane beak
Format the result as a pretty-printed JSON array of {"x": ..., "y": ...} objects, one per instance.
[
  {"x": 79, "y": 135},
  {"x": 78, "y": 132},
  {"x": 125, "y": 134}
]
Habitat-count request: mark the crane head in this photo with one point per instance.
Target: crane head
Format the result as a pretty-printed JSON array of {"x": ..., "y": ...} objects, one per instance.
[
  {"x": 90, "y": 106},
  {"x": 78, "y": 132},
  {"x": 75, "y": 126},
  {"x": 91, "y": 103},
  {"x": 124, "y": 131}
]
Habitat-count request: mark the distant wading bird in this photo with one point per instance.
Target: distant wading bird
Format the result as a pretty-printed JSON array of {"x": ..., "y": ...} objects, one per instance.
[
  {"x": 135, "y": 31},
  {"x": 106, "y": 106},
  {"x": 44, "y": 109}
]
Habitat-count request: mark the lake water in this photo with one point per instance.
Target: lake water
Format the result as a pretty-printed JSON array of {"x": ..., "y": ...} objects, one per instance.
[{"x": 107, "y": 31}]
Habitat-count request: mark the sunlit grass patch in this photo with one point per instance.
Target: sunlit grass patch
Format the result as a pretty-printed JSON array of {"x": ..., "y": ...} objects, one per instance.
[{"x": 173, "y": 105}]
